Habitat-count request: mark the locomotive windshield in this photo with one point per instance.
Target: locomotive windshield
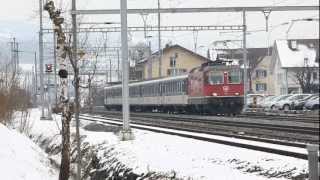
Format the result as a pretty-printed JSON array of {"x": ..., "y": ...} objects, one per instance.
[
  {"x": 234, "y": 76},
  {"x": 215, "y": 77}
]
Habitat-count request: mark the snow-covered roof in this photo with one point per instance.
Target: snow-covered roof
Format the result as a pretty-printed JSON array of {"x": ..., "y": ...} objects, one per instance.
[
  {"x": 167, "y": 48},
  {"x": 299, "y": 56}
]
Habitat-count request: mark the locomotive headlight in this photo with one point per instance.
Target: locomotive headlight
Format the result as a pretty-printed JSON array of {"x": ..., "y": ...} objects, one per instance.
[
  {"x": 214, "y": 94},
  {"x": 237, "y": 94}
]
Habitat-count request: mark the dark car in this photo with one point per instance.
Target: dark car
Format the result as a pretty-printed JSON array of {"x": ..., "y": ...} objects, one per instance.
[{"x": 312, "y": 104}]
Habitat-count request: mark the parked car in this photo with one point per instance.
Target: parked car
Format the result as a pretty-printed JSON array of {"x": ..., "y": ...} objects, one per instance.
[
  {"x": 286, "y": 104},
  {"x": 266, "y": 100},
  {"x": 271, "y": 103},
  {"x": 299, "y": 104},
  {"x": 312, "y": 103}
]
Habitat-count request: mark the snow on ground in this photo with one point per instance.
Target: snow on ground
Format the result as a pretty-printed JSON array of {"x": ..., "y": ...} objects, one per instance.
[
  {"x": 21, "y": 159},
  {"x": 189, "y": 158}
]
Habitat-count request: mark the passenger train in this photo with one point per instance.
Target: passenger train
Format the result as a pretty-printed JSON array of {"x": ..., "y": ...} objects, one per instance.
[{"x": 213, "y": 88}]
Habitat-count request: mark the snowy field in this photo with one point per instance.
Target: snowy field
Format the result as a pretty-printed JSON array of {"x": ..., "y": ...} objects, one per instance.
[
  {"x": 184, "y": 157},
  {"x": 21, "y": 159}
]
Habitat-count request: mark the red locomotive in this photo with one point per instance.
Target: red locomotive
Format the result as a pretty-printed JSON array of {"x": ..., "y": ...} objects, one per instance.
[{"x": 215, "y": 88}]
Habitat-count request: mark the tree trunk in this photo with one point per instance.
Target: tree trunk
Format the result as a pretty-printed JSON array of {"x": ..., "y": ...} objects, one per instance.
[{"x": 65, "y": 153}]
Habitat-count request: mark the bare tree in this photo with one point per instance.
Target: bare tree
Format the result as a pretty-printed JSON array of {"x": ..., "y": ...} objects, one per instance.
[
  {"x": 138, "y": 52},
  {"x": 13, "y": 94},
  {"x": 304, "y": 78},
  {"x": 64, "y": 105}
]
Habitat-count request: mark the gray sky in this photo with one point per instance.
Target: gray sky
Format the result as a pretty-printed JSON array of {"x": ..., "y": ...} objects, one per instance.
[{"x": 19, "y": 18}]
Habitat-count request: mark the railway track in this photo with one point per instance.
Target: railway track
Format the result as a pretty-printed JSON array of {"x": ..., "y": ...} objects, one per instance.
[
  {"x": 306, "y": 133},
  {"x": 291, "y": 117},
  {"x": 253, "y": 143},
  {"x": 249, "y": 115}
]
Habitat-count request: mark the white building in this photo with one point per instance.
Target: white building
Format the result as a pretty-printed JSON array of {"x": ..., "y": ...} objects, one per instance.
[{"x": 288, "y": 57}]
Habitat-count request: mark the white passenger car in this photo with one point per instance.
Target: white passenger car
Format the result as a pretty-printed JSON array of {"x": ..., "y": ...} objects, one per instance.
[{"x": 286, "y": 104}]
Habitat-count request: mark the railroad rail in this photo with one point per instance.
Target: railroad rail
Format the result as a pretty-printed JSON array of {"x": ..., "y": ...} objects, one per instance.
[
  {"x": 292, "y": 131},
  {"x": 282, "y": 117},
  {"x": 297, "y": 150}
]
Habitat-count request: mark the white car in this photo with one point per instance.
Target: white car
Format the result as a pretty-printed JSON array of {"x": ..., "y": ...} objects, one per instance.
[
  {"x": 266, "y": 100},
  {"x": 271, "y": 103},
  {"x": 286, "y": 104}
]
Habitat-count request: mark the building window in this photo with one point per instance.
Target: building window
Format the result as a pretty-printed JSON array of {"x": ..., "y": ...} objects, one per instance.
[
  {"x": 315, "y": 75},
  {"x": 261, "y": 87},
  {"x": 260, "y": 73},
  {"x": 176, "y": 72},
  {"x": 172, "y": 62}
]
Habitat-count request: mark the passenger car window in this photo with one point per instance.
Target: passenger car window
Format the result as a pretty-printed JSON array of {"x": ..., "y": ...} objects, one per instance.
[
  {"x": 215, "y": 77},
  {"x": 234, "y": 76}
]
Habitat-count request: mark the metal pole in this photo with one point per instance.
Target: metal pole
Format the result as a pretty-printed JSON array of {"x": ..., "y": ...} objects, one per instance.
[
  {"x": 11, "y": 53},
  {"x": 41, "y": 62},
  {"x": 17, "y": 56},
  {"x": 118, "y": 59},
  {"x": 110, "y": 70},
  {"x": 35, "y": 71},
  {"x": 159, "y": 39},
  {"x": 105, "y": 56},
  {"x": 245, "y": 63},
  {"x": 77, "y": 93},
  {"x": 126, "y": 131},
  {"x": 200, "y": 10},
  {"x": 49, "y": 98},
  {"x": 313, "y": 161},
  {"x": 55, "y": 68},
  {"x": 14, "y": 55}
]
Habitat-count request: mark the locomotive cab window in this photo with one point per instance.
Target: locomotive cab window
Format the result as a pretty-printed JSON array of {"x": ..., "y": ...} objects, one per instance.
[
  {"x": 215, "y": 77},
  {"x": 234, "y": 76}
]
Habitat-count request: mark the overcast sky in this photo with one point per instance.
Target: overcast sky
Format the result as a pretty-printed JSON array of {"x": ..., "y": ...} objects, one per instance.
[{"x": 19, "y": 18}]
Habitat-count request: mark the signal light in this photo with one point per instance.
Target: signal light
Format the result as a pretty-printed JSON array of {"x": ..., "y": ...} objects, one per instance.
[
  {"x": 48, "y": 67},
  {"x": 63, "y": 73}
]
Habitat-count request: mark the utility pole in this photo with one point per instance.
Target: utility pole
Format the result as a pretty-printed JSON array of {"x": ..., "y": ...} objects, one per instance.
[
  {"x": 118, "y": 64},
  {"x": 110, "y": 70},
  {"x": 14, "y": 54},
  {"x": 77, "y": 93},
  {"x": 49, "y": 115},
  {"x": 245, "y": 63},
  {"x": 105, "y": 56},
  {"x": 35, "y": 71},
  {"x": 55, "y": 68},
  {"x": 126, "y": 133},
  {"x": 35, "y": 77},
  {"x": 17, "y": 56},
  {"x": 159, "y": 40},
  {"x": 42, "y": 117}
]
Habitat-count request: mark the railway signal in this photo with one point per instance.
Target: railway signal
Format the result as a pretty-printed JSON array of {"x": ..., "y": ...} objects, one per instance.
[{"x": 49, "y": 68}]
